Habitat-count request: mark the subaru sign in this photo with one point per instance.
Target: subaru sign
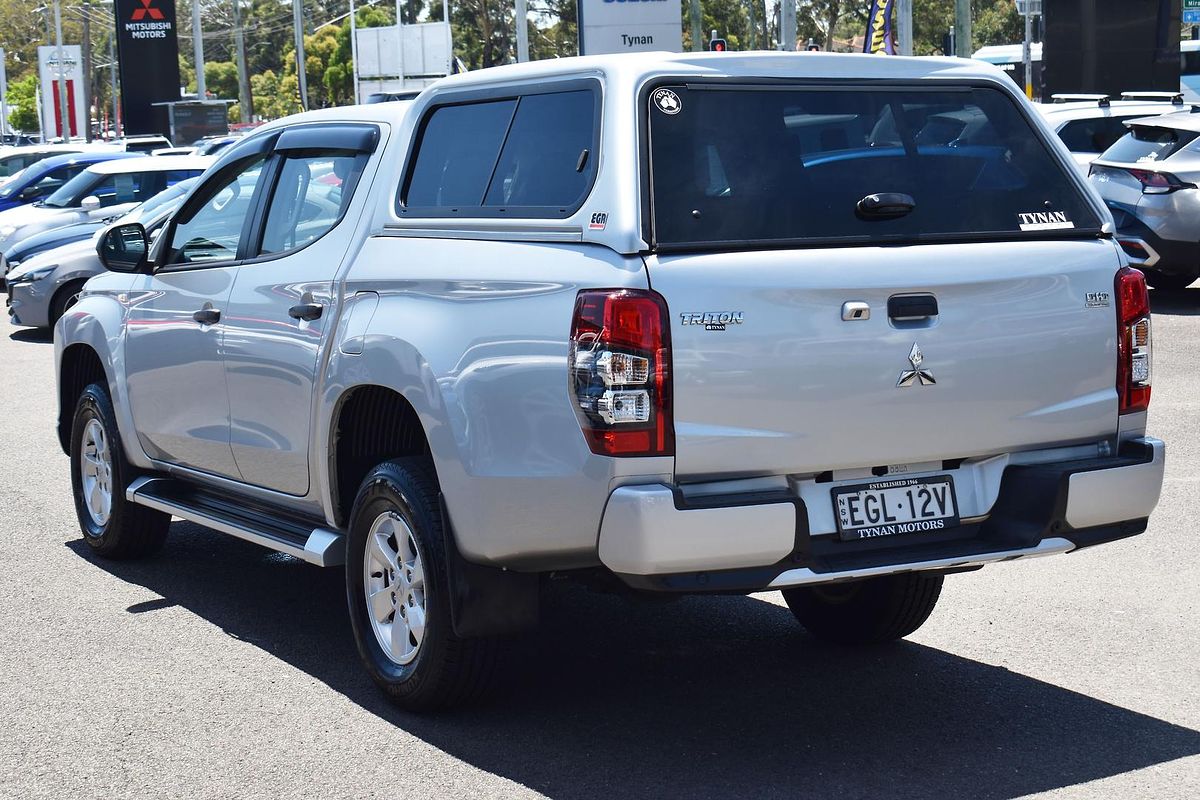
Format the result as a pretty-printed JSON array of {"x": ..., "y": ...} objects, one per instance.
[{"x": 629, "y": 26}]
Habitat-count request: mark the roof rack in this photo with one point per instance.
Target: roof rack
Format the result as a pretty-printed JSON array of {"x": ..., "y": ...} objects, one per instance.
[
  {"x": 1174, "y": 98},
  {"x": 1101, "y": 100}
]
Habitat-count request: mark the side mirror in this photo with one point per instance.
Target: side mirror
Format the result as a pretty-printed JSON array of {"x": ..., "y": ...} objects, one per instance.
[
  {"x": 123, "y": 248},
  {"x": 90, "y": 203}
]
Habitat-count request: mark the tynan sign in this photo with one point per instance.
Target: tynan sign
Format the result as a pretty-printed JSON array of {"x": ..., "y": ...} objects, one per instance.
[{"x": 629, "y": 26}]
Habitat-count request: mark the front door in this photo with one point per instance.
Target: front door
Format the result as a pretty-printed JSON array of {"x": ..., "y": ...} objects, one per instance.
[{"x": 175, "y": 374}]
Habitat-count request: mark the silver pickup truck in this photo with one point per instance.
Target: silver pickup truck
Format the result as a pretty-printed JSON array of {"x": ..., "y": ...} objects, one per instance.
[{"x": 832, "y": 325}]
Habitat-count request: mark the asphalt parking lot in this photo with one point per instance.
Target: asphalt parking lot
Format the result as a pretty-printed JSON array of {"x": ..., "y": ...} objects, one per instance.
[{"x": 217, "y": 669}]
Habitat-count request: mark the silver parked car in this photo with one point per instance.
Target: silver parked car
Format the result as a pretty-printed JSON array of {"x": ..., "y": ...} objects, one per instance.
[
  {"x": 43, "y": 286},
  {"x": 1149, "y": 180},
  {"x": 681, "y": 323}
]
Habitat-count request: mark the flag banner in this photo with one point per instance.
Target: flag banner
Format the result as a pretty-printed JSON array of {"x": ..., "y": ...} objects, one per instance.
[{"x": 881, "y": 37}]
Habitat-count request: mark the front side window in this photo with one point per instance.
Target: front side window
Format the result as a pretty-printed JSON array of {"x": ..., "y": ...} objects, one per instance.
[
  {"x": 211, "y": 228},
  {"x": 747, "y": 164},
  {"x": 310, "y": 196},
  {"x": 528, "y": 156}
]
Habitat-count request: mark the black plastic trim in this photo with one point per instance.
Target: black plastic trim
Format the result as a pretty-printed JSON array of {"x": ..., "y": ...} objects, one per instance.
[
  {"x": 1030, "y": 507},
  {"x": 355, "y": 138}
]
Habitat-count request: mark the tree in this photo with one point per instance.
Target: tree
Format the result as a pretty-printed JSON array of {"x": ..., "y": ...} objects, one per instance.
[
  {"x": 221, "y": 79},
  {"x": 22, "y": 103}
]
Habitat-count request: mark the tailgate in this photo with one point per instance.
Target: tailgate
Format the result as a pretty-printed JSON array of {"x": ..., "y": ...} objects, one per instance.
[{"x": 1017, "y": 356}]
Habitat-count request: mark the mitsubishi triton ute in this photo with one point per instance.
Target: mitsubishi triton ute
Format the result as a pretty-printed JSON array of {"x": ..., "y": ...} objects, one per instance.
[{"x": 837, "y": 326}]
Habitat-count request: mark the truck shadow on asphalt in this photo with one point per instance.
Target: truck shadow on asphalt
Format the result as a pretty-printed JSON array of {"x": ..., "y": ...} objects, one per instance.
[{"x": 703, "y": 696}]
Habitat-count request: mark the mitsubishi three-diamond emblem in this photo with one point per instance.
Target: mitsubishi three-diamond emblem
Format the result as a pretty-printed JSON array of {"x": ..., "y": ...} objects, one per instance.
[{"x": 910, "y": 376}]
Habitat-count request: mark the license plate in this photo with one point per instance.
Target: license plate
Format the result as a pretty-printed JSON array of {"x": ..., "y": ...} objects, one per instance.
[{"x": 894, "y": 506}]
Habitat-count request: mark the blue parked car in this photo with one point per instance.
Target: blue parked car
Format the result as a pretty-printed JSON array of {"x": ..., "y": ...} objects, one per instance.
[{"x": 38, "y": 181}]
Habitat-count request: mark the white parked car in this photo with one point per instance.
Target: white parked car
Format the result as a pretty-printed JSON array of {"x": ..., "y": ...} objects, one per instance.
[{"x": 1088, "y": 124}]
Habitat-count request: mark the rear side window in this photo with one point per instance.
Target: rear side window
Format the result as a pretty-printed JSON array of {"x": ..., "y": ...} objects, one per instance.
[
  {"x": 1147, "y": 145},
  {"x": 1093, "y": 135},
  {"x": 747, "y": 164},
  {"x": 528, "y": 156}
]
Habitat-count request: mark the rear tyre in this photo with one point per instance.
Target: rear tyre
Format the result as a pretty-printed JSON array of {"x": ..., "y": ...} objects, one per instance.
[
  {"x": 398, "y": 593},
  {"x": 112, "y": 526},
  {"x": 63, "y": 299},
  {"x": 869, "y": 611},
  {"x": 1160, "y": 280}
]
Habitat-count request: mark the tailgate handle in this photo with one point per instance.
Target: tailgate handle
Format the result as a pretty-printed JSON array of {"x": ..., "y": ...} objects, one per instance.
[{"x": 912, "y": 306}]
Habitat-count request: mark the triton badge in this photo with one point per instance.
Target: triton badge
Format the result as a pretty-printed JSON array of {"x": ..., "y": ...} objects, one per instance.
[{"x": 910, "y": 376}]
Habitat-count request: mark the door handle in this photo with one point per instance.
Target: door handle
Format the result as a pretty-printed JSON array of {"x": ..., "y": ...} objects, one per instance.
[
  {"x": 306, "y": 311},
  {"x": 912, "y": 306},
  {"x": 207, "y": 316}
]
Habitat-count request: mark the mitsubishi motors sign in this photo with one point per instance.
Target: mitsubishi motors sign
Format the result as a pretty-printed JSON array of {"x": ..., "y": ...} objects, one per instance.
[
  {"x": 148, "y": 53},
  {"x": 629, "y": 26}
]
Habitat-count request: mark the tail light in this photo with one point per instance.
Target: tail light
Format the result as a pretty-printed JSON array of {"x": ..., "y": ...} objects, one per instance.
[
  {"x": 1158, "y": 182},
  {"x": 1133, "y": 341},
  {"x": 620, "y": 372}
]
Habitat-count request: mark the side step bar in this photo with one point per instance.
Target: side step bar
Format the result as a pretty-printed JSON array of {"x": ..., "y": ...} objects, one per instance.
[{"x": 269, "y": 528}]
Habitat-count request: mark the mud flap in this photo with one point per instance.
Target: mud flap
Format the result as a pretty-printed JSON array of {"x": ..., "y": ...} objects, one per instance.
[{"x": 487, "y": 601}]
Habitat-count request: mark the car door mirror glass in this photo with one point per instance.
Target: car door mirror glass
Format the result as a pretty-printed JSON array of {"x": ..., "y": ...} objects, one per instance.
[{"x": 123, "y": 248}]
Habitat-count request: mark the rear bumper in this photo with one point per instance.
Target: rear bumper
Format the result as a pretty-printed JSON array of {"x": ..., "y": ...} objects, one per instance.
[
  {"x": 654, "y": 538},
  {"x": 1168, "y": 256}
]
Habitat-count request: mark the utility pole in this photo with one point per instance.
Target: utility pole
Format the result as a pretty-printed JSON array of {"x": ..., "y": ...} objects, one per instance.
[
  {"x": 697, "y": 34},
  {"x": 116, "y": 98},
  {"x": 1026, "y": 51},
  {"x": 752, "y": 31},
  {"x": 86, "y": 56},
  {"x": 787, "y": 25},
  {"x": 63, "y": 108},
  {"x": 962, "y": 28},
  {"x": 198, "y": 51},
  {"x": 3, "y": 94},
  {"x": 245, "y": 101},
  {"x": 298, "y": 21},
  {"x": 904, "y": 26},
  {"x": 354, "y": 52},
  {"x": 522, "y": 31}
]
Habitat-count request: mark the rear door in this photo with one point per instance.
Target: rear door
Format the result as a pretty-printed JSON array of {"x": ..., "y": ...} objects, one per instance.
[
  {"x": 281, "y": 309},
  {"x": 862, "y": 276}
]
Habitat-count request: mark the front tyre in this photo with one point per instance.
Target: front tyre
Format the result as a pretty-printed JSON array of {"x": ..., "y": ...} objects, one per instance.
[
  {"x": 867, "y": 611},
  {"x": 398, "y": 594},
  {"x": 112, "y": 526}
]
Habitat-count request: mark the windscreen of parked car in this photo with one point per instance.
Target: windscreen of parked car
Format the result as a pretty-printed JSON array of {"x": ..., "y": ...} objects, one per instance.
[
  {"x": 739, "y": 165},
  {"x": 1145, "y": 144}
]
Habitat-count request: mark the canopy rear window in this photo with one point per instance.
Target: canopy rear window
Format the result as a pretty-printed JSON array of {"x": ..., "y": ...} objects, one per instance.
[{"x": 757, "y": 164}]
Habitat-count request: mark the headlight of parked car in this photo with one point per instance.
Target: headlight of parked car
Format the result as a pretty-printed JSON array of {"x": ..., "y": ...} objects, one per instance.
[{"x": 32, "y": 275}]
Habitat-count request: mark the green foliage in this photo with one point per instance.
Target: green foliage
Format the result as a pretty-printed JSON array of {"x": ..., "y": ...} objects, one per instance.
[
  {"x": 221, "y": 79},
  {"x": 22, "y": 103}
]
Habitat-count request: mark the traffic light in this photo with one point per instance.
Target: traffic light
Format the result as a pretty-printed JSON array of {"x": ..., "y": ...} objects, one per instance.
[{"x": 718, "y": 46}]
